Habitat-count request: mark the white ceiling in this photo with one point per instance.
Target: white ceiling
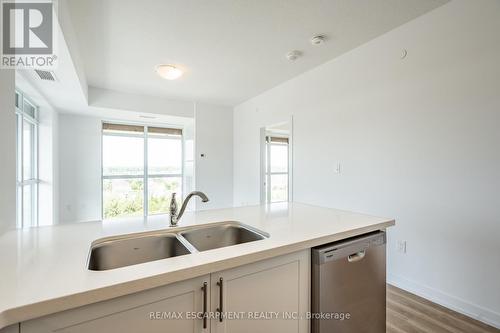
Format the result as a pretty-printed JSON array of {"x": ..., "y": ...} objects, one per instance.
[{"x": 231, "y": 50}]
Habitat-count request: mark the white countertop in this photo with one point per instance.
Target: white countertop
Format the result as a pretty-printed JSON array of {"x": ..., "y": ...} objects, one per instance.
[{"x": 43, "y": 270}]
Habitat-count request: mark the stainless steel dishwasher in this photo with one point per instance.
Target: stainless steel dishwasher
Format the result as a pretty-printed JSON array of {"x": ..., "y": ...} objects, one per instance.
[{"x": 348, "y": 285}]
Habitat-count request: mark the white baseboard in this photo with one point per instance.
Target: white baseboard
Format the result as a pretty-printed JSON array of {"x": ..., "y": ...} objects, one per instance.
[{"x": 471, "y": 310}]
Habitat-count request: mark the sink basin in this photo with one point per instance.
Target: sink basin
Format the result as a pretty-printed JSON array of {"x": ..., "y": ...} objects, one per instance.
[
  {"x": 131, "y": 250},
  {"x": 221, "y": 235},
  {"x": 127, "y": 250}
]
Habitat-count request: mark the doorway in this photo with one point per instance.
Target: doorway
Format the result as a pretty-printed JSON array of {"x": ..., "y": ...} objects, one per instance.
[{"x": 276, "y": 163}]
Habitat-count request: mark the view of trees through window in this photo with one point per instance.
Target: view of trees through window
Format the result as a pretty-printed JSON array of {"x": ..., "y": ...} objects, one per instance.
[{"x": 142, "y": 166}]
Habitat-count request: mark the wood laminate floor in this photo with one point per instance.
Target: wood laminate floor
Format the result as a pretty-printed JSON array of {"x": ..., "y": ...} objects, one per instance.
[{"x": 408, "y": 313}]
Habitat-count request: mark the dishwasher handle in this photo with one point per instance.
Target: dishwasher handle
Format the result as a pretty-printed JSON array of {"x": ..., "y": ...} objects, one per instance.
[
  {"x": 354, "y": 249},
  {"x": 356, "y": 256}
]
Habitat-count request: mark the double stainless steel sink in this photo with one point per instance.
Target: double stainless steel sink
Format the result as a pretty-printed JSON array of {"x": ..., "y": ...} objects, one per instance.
[{"x": 120, "y": 251}]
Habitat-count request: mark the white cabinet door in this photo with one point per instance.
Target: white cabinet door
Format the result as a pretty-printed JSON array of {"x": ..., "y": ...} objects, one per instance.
[
  {"x": 147, "y": 311},
  {"x": 277, "y": 289}
]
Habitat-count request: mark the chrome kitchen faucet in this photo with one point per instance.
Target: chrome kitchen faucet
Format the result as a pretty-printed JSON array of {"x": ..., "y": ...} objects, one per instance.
[{"x": 174, "y": 216}]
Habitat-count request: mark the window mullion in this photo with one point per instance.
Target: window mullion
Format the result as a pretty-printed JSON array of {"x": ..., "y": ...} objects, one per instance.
[
  {"x": 145, "y": 186},
  {"x": 123, "y": 176},
  {"x": 21, "y": 162},
  {"x": 165, "y": 175},
  {"x": 287, "y": 175},
  {"x": 35, "y": 172},
  {"x": 269, "y": 172},
  {"x": 30, "y": 119}
]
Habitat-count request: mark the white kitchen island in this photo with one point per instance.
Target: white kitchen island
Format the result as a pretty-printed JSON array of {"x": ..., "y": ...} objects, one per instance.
[{"x": 45, "y": 277}]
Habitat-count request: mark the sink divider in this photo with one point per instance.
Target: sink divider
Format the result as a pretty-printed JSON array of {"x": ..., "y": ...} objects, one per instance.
[{"x": 190, "y": 247}]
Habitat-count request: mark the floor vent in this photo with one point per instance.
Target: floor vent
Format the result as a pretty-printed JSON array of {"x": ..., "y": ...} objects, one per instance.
[{"x": 46, "y": 75}]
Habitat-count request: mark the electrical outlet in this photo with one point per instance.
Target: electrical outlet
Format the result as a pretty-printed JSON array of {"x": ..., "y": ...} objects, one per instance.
[{"x": 402, "y": 246}]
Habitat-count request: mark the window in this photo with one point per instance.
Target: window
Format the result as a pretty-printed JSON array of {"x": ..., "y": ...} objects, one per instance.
[
  {"x": 164, "y": 168},
  {"x": 141, "y": 167},
  {"x": 27, "y": 161},
  {"x": 276, "y": 169}
]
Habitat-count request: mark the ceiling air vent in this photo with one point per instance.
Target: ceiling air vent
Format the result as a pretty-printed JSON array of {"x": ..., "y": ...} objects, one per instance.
[{"x": 46, "y": 75}]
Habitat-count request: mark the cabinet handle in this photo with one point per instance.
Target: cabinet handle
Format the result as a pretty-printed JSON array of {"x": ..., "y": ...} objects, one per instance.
[
  {"x": 221, "y": 295},
  {"x": 204, "y": 288}
]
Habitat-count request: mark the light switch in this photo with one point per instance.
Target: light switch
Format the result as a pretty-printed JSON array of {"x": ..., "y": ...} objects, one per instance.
[
  {"x": 401, "y": 246},
  {"x": 337, "y": 168}
]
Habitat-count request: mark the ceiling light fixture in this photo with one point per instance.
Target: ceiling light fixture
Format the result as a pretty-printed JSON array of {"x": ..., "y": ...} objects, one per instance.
[
  {"x": 318, "y": 39},
  {"x": 293, "y": 55},
  {"x": 169, "y": 72}
]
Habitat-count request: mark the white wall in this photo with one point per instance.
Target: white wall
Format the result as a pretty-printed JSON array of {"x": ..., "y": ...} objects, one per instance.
[
  {"x": 214, "y": 139},
  {"x": 8, "y": 150},
  {"x": 109, "y": 99},
  {"x": 79, "y": 168},
  {"x": 189, "y": 181},
  {"x": 418, "y": 140}
]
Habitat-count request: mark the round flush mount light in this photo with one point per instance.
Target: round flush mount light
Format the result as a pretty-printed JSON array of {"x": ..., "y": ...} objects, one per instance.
[
  {"x": 318, "y": 40},
  {"x": 169, "y": 72},
  {"x": 293, "y": 55}
]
